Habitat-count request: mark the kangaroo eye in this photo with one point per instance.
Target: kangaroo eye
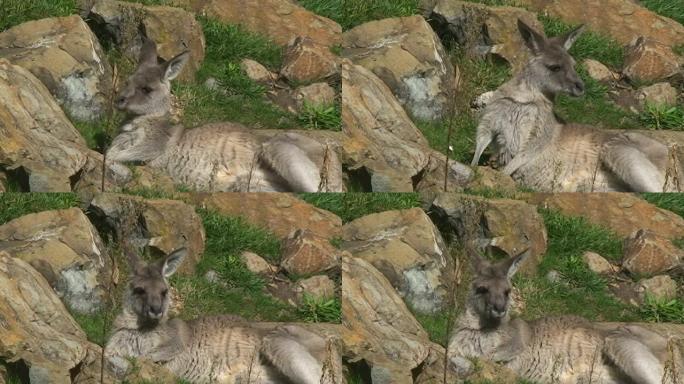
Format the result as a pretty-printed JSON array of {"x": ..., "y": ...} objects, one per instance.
[
  {"x": 481, "y": 290},
  {"x": 554, "y": 68},
  {"x": 139, "y": 291},
  {"x": 146, "y": 90}
]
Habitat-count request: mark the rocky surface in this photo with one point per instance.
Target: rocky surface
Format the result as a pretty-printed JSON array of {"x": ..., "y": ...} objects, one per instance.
[
  {"x": 163, "y": 225},
  {"x": 661, "y": 287},
  {"x": 599, "y": 72},
  {"x": 304, "y": 253},
  {"x": 173, "y": 29},
  {"x": 662, "y": 94},
  {"x": 623, "y": 213},
  {"x": 409, "y": 58},
  {"x": 66, "y": 56},
  {"x": 647, "y": 60},
  {"x": 409, "y": 251},
  {"x": 507, "y": 226},
  {"x": 304, "y": 61},
  {"x": 483, "y": 29},
  {"x": 598, "y": 264},
  {"x": 646, "y": 254},
  {"x": 67, "y": 250},
  {"x": 257, "y": 264}
]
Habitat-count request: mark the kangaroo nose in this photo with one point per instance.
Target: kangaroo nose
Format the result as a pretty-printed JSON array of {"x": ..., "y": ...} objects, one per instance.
[
  {"x": 579, "y": 88},
  {"x": 155, "y": 312}
]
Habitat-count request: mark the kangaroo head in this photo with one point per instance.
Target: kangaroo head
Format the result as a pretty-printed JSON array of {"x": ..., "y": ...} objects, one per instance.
[
  {"x": 148, "y": 90},
  {"x": 148, "y": 289},
  {"x": 552, "y": 68},
  {"x": 491, "y": 287}
]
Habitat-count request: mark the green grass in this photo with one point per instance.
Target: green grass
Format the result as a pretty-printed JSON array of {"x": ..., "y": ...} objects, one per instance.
[
  {"x": 15, "y": 12},
  {"x": 670, "y": 201},
  {"x": 662, "y": 311},
  {"x": 350, "y": 206},
  {"x": 668, "y": 8},
  {"x": 663, "y": 117},
  {"x": 321, "y": 116},
  {"x": 435, "y": 325},
  {"x": 350, "y": 13},
  {"x": 13, "y": 205},
  {"x": 320, "y": 310}
]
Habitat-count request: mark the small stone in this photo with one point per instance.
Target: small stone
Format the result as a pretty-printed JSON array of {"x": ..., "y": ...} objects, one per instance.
[
  {"x": 257, "y": 72},
  {"x": 318, "y": 287},
  {"x": 553, "y": 276},
  {"x": 257, "y": 264},
  {"x": 599, "y": 72},
  {"x": 598, "y": 263},
  {"x": 315, "y": 95},
  {"x": 661, "y": 287},
  {"x": 212, "y": 277},
  {"x": 211, "y": 84},
  {"x": 657, "y": 94}
]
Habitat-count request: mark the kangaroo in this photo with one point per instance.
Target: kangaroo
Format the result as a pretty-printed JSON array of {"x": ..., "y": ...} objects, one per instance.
[
  {"x": 219, "y": 349},
  {"x": 543, "y": 153},
  {"x": 560, "y": 350},
  {"x": 214, "y": 157}
]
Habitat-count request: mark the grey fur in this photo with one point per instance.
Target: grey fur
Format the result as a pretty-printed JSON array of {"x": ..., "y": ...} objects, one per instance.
[
  {"x": 218, "y": 349},
  {"x": 561, "y": 350},
  {"x": 215, "y": 157},
  {"x": 547, "y": 155}
]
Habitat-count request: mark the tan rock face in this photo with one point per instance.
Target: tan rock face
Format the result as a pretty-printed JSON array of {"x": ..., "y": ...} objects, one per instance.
[
  {"x": 621, "y": 212},
  {"x": 662, "y": 94},
  {"x": 408, "y": 249},
  {"x": 598, "y": 71},
  {"x": 483, "y": 29},
  {"x": 648, "y": 254},
  {"x": 661, "y": 287},
  {"x": 318, "y": 287},
  {"x": 67, "y": 250},
  {"x": 305, "y": 61},
  {"x": 598, "y": 263},
  {"x": 257, "y": 72},
  {"x": 173, "y": 29},
  {"x": 280, "y": 20},
  {"x": 36, "y": 327},
  {"x": 623, "y": 20},
  {"x": 280, "y": 213},
  {"x": 409, "y": 58},
  {"x": 35, "y": 133},
  {"x": 509, "y": 226},
  {"x": 67, "y": 57},
  {"x": 304, "y": 253},
  {"x": 315, "y": 94},
  {"x": 649, "y": 60},
  {"x": 163, "y": 225},
  {"x": 257, "y": 264}
]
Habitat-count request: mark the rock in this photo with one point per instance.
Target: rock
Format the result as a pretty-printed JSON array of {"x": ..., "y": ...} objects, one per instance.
[
  {"x": 648, "y": 61},
  {"x": 66, "y": 56},
  {"x": 408, "y": 249},
  {"x": 380, "y": 328},
  {"x": 316, "y": 94},
  {"x": 661, "y": 287},
  {"x": 508, "y": 226},
  {"x": 173, "y": 29},
  {"x": 623, "y": 20},
  {"x": 257, "y": 264},
  {"x": 306, "y": 62},
  {"x": 36, "y": 327},
  {"x": 35, "y": 133},
  {"x": 317, "y": 287},
  {"x": 662, "y": 94},
  {"x": 622, "y": 213},
  {"x": 483, "y": 29},
  {"x": 599, "y": 72},
  {"x": 163, "y": 225},
  {"x": 67, "y": 250},
  {"x": 257, "y": 72},
  {"x": 487, "y": 178},
  {"x": 3, "y": 181},
  {"x": 598, "y": 264},
  {"x": 280, "y": 213},
  {"x": 305, "y": 253},
  {"x": 280, "y": 20},
  {"x": 646, "y": 253},
  {"x": 407, "y": 55},
  {"x": 145, "y": 371}
]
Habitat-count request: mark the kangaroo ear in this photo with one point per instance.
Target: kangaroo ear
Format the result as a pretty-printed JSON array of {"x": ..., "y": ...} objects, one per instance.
[
  {"x": 173, "y": 261},
  {"x": 572, "y": 36},
  {"x": 534, "y": 41},
  {"x": 148, "y": 52},
  {"x": 515, "y": 262},
  {"x": 174, "y": 66}
]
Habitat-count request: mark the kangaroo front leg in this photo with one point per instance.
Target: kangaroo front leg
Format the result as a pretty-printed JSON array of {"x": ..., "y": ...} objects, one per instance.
[
  {"x": 292, "y": 357},
  {"x": 633, "y": 168},
  {"x": 293, "y": 164},
  {"x": 634, "y": 359}
]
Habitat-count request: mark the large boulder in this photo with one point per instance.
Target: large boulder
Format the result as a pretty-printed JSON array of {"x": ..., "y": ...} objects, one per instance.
[
  {"x": 304, "y": 253},
  {"x": 484, "y": 29},
  {"x": 173, "y": 29},
  {"x": 280, "y": 20},
  {"x": 67, "y": 57},
  {"x": 407, "y": 248},
  {"x": 507, "y": 226},
  {"x": 380, "y": 329},
  {"x": 408, "y": 56},
  {"x": 305, "y": 61},
  {"x": 622, "y": 213},
  {"x": 36, "y": 327},
  {"x": 67, "y": 250},
  {"x": 383, "y": 140},
  {"x": 163, "y": 225},
  {"x": 35, "y": 134},
  {"x": 623, "y": 20},
  {"x": 647, "y": 60},
  {"x": 647, "y": 254},
  {"x": 280, "y": 213}
]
